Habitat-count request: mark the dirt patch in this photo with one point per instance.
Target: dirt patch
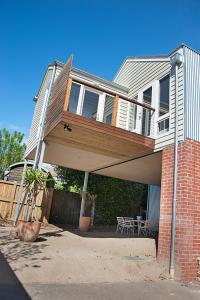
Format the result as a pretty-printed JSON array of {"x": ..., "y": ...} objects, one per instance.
[{"x": 67, "y": 257}]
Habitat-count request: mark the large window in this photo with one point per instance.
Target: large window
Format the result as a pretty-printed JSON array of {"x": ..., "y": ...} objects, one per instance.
[
  {"x": 74, "y": 96},
  {"x": 164, "y": 96}
]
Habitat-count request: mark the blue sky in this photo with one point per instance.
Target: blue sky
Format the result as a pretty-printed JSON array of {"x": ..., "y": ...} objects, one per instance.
[{"x": 99, "y": 33}]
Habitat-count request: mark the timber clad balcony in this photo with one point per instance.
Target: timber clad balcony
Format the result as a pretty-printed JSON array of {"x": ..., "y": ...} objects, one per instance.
[{"x": 82, "y": 125}]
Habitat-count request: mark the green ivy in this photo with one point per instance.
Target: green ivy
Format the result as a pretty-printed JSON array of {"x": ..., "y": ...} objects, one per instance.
[{"x": 115, "y": 197}]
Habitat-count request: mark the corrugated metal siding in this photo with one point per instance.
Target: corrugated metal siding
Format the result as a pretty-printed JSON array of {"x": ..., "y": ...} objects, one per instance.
[
  {"x": 33, "y": 135},
  {"x": 136, "y": 75},
  {"x": 192, "y": 94}
]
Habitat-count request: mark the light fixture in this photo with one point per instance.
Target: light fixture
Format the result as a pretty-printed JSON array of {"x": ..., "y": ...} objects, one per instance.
[{"x": 67, "y": 128}]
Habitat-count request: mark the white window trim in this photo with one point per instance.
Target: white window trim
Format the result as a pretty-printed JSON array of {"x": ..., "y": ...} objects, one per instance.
[{"x": 154, "y": 103}]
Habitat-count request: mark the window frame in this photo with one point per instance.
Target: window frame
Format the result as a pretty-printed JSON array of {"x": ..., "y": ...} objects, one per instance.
[{"x": 161, "y": 78}]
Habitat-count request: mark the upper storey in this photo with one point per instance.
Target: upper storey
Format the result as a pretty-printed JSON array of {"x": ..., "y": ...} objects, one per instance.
[{"x": 136, "y": 110}]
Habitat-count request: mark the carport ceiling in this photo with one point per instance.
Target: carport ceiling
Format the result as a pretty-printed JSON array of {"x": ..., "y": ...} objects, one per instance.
[{"x": 146, "y": 169}]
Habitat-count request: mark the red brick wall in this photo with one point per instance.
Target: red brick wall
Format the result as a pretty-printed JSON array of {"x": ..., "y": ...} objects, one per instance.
[{"x": 187, "y": 240}]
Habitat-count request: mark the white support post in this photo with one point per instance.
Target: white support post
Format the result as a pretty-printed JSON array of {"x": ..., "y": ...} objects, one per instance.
[
  {"x": 83, "y": 195},
  {"x": 42, "y": 155}
]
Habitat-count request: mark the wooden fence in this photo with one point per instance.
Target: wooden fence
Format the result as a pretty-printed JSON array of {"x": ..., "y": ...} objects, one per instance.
[
  {"x": 65, "y": 208},
  {"x": 9, "y": 192}
]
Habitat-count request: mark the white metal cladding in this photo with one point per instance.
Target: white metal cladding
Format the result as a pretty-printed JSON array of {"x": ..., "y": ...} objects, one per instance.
[
  {"x": 192, "y": 94},
  {"x": 136, "y": 75},
  {"x": 33, "y": 135}
]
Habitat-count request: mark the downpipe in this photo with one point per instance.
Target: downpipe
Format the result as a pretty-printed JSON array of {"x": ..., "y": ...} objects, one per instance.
[{"x": 176, "y": 61}]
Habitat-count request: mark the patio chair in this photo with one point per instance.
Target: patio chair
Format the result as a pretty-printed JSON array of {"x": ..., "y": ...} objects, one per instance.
[
  {"x": 129, "y": 226},
  {"x": 148, "y": 228},
  {"x": 120, "y": 224},
  {"x": 143, "y": 228}
]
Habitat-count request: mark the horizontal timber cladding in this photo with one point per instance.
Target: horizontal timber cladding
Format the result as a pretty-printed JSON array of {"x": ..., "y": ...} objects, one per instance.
[
  {"x": 33, "y": 135},
  {"x": 57, "y": 100},
  {"x": 136, "y": 75},
  {"x": 192, "y": 94}
]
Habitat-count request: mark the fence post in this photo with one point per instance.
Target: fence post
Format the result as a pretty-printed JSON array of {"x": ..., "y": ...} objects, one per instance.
[
  {"x": 48, "y": 203},
  {"x": 12, "y": 198}
]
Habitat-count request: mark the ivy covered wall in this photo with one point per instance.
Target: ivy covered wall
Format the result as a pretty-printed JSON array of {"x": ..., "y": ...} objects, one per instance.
[{"x": 115, "y": 197}]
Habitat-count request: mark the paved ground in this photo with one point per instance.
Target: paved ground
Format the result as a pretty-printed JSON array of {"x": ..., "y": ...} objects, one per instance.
[
  {"x": 157, "y": 290},
  {"x": 64, "y": 265}
]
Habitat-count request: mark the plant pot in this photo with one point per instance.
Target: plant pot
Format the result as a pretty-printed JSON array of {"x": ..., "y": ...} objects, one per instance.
[
  {"x": 28, "y": 231},
  {"x": 84, "y": 224}
]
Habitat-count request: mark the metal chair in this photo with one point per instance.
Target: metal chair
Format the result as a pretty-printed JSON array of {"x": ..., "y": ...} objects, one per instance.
[{"x": 120, "y": 225}]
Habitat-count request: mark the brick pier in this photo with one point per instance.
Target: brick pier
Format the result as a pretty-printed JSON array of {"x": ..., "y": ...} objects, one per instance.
[{"x": 187, "y": 239}]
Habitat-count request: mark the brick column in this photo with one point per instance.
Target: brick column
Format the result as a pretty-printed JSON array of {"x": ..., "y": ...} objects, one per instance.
[{"x": 187, "y": 239}]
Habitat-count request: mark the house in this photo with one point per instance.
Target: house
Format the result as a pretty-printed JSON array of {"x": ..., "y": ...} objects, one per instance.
[{"x": 143, "y": 126}]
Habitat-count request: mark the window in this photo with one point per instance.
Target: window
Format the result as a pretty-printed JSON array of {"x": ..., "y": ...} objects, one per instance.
[
  {"x": 164, "y": 96},
  {"x": 147, "y": 96},
  {"x": 74, "y": 96},
  {"x": 146, "y": 115},
  {"x": 108, "y": 109},
  {"x": 90, "y": 104},
  {"x": 163, "y": 126}
]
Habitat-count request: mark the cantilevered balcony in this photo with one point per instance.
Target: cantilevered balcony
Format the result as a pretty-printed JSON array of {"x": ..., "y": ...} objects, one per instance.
[{"x": 83, "y": 124}]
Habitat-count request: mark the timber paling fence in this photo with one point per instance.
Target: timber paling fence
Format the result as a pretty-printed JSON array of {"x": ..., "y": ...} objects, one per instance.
[{"x": 9, "y": 192}]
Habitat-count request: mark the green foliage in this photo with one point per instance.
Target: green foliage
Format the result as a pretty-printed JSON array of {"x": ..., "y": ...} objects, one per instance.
[
  {"x": 12, "y": 149},
  {"x": 74, "y": 189},
  {"x": 59, "y": 186},
  {"x": 35, "y": 179},
  {"x": 115, "y": 197}
]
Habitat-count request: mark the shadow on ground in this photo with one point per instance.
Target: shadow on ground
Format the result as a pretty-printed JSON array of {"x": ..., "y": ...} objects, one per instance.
[
  {"x": 10, "y": 286},
  {"x": 29, "y": 253}
]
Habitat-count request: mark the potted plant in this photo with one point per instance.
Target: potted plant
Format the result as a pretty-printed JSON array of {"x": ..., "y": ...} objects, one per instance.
[
  {"x": 85, "y": 219},
  {"x": 35, "y": 180}
]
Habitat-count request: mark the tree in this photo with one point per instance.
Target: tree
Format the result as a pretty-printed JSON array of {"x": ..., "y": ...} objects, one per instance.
[{"x": 12, "y": 149}]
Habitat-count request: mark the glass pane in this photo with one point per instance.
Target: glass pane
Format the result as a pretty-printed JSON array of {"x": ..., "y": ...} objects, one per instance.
[
  {"x": 109, "y": 119},
  {"x": 167, "y": 124},
  {"x": 108, "y": 109},
  {"x": 146, "y": 122},
  {"x": 164, "y": 96},
  {"x": 90, "y": 104},
  {"x": 147, "y": 95},
  {"x": 73, "y": 99},
  {"x": 146, "y": 118}
]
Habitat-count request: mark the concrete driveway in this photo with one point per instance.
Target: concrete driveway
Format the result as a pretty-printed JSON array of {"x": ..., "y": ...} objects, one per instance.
[{"x": 65, "y": 265}]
